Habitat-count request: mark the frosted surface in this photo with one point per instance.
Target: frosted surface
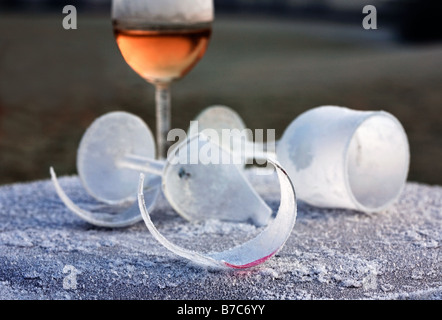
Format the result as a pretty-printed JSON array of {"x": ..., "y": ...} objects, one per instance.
[
  {"x": 377, "y": 161},
  {"x": 173, "y": 11},
  {"x": 338, "y": 157},
  {"x": 197, "y": 187},
  {"x": 331, "y": 253},
  {"x": 101, "y": 153},
  {"x": 218, "y": 118}
]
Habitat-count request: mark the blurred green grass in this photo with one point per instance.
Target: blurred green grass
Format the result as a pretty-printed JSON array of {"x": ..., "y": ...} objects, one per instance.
[{"x": 55, "y": 82}]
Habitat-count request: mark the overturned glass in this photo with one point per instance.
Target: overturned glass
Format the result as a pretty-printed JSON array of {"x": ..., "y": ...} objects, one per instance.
[
  {"x": 118, "y": 146},
  {"x": 343, "y": 158},
  {"x": 337, "y": 157}
]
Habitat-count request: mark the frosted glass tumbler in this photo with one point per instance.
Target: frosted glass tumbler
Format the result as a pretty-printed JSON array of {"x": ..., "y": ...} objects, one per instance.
[{"x": 343, "y": 158}]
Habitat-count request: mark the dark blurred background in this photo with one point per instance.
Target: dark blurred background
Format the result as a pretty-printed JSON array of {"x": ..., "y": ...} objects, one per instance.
[{"x": 270, "y": 60}]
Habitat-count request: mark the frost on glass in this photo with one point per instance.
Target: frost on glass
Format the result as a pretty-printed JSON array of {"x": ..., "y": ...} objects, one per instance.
[
  {"x": 338, "y": 157},
  {"x": 103, "y": 152},
  {"x": 225, "y": 127},
  {"x": 118, "y": 146},
  {"x": 121, "y": 218},
  {"x": 250, "y": 253},
  {"x": 170, "y": 11},
  {"x": 102, "y": 168},
  {"x": 197, "y": 183}
]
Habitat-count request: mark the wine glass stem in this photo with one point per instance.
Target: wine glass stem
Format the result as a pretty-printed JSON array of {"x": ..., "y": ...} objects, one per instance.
[{"x": 163, "y": 117}]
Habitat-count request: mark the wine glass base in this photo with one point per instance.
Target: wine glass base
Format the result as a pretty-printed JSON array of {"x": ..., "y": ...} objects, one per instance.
[{"x": 101, "y": 154}]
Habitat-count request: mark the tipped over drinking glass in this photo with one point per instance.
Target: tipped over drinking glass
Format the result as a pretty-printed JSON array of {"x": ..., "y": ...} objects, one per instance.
[{"x": 162, "y": 40}]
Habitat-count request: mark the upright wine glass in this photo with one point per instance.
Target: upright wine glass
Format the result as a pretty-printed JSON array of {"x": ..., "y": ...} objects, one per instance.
[{"x": 162, "y": 40}]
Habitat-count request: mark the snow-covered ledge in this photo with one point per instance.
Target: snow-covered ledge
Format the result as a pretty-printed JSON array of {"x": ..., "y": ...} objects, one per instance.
[{"x": 49, "y": 253}]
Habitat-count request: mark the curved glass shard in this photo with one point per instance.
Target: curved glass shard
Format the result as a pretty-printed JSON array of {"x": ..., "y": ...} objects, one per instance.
[
  {"x": 250, "y": 253},
  {"x": 121, "y": 219}
]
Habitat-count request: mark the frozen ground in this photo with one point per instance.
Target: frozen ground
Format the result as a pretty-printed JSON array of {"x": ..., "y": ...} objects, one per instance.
[{"x": 48, "y": 253}]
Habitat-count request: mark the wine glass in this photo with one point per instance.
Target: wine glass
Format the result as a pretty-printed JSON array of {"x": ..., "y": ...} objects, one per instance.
[
  {"x": 162, "y": 40},
  {"x": 119, "y": 145}
]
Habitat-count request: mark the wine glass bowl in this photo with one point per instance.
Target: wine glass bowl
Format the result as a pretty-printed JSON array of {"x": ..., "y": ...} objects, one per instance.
[{"x": 162, "y": 40}]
